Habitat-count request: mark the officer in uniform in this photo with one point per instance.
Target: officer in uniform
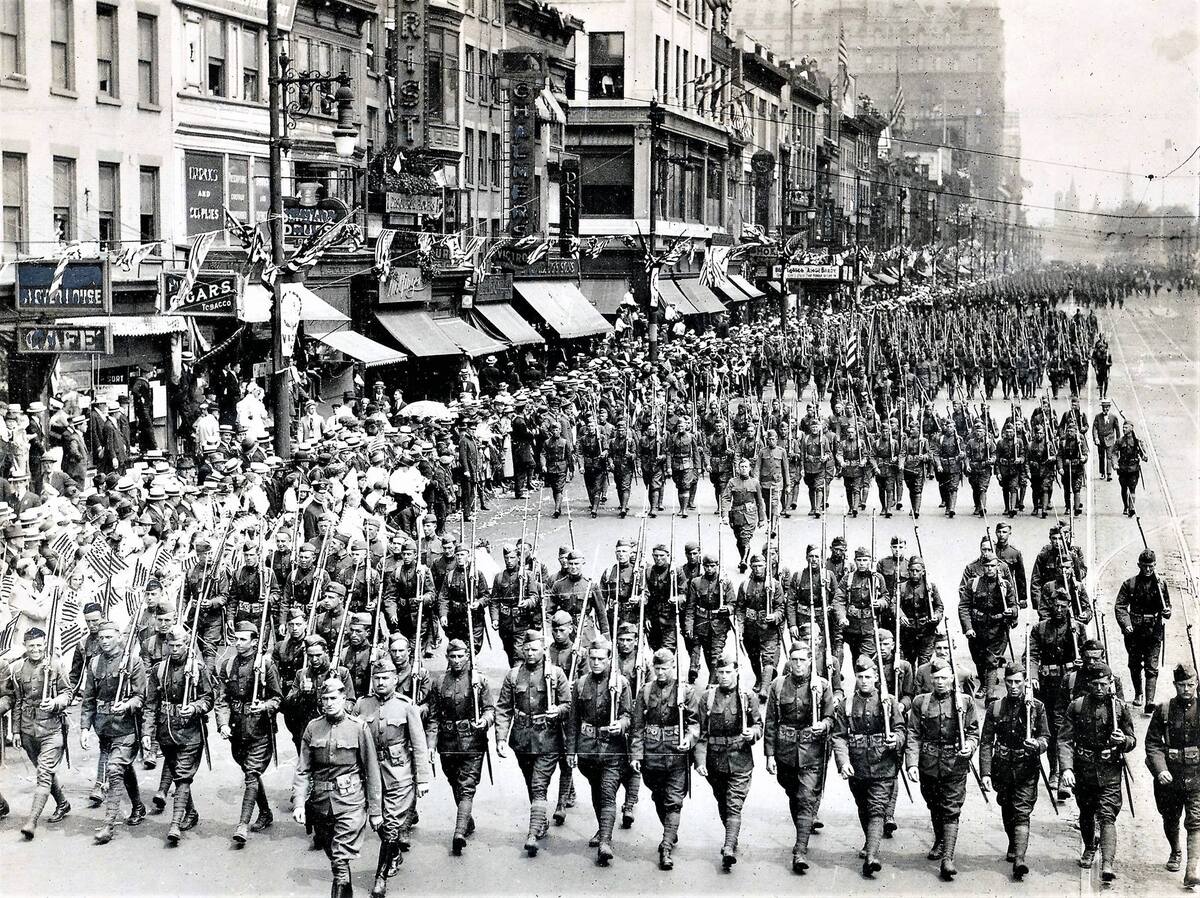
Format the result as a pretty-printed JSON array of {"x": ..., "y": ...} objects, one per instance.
[
  {"x": 709, "y": 611},
  {"x": 868, "y": 747},
  {"x": 600, "y": 714},
  {"x": 38, "y": 695},
  {"x": 115, "y": 724},
  {"x": 761, "y": 607},
  {"x": 800, "y": 711},
  {"x": 1054, "y": 651},
  {"x": 1097, "y": 732},
  {"x": 943, "y": 731},
  {"x": 1173, "y": 758},
  {"x": 1015, "y": 733},
  {"x": 730, "y": 723},
  {"x": 665, "y": 728},
  {"x": 743, "y": 496},
  {"x": 987, "y": 611},
  {"x": 464, "y": 583},
  {"x": 302, "y": 701},
  {"x": 535, "y": 700},
  {"x": 394, "y": 723},
  {"x": 863, "y": 593},
  {"x": 460, "y": 711},
  {"x": 517, "y": 597},
  {"x": 246, "y": 702},
  {"x": 915, "y": 461},
  {"x": 337, "y": 789},
  {"x": 1143, "y": 605}
]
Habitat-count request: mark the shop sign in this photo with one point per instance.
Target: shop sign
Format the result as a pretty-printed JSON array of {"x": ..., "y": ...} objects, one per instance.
[
  {"x": 525, "y": 73},
  {"x": 301, "y": 223},
  {"x": 73, "y": 339},
  {"x": 408, "y": 100},
  {"x": 204, "y": 191},
  {"x": 807, "y": 272},
  {"x": 494, "y": 288},
  {"x": 568, "y": 198},
  {"x": 413, "y": 204},
  {"x": 86, "y": 288},
  {"x": 214, "y": 294}
]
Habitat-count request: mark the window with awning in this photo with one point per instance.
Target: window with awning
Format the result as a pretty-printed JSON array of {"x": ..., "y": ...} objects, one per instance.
[{"x": 563, "y": 308}]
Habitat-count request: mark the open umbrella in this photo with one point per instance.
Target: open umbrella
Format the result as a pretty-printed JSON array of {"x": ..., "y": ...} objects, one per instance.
[{"x": 425, "y": 408}]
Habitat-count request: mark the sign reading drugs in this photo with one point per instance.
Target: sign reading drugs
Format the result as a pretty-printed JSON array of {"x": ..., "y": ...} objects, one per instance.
[
  {"x": 71, "y": 339},
  {"x": 84, "y": 289}
]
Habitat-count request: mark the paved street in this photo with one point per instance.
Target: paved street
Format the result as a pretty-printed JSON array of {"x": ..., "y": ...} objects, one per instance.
[{"x": 1154, "y": 383}]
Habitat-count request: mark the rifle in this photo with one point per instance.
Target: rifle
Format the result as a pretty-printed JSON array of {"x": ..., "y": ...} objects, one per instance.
[
  {"x": 189, "y": 680},
  {"x": 262, "y": 638},
  {"x": 127, "y": 656},
  {"x": 471, "y": 684},
  {"x": 1125, "y": 775},
  {"x": 49, "y": 681},
  {"x": 884, "y": 698},
  {"x": 337, "y": 644},
  {"x": 958, "y": 712},
  {"x": 987, "y": 534},
  {"x": 680, "y": 688},
  {"x": 639, "y": 590},
  {"x": 1029, "y": 725}
]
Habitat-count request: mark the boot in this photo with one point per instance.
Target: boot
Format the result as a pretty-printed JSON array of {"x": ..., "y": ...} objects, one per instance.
[
  {"x": 871, "y": 864},
  {"x": 136, "y": 815},
  {"x": 1108, "y": 851},
  {"x": 96, "y": 796},
  {"x": 262, "y": 821},
  {"x": 104, "y": 834},
  {"x": 800, "y": 849},
  {"x": 537, "y": 818},
  {"x": 1175, "y": 859},
  {"x": 1151, "y": 688},
  {"x": 949, "y": 840},
  {"x": 174, "y": 834},
  {"x": 40, "y": 797},
  {"x": 60, "y": 811},
  {"x": 1191, "y": 876},
  {"x": 604, "y": 854},
  {"x": 461, "y": 824},
  {"x": 935, "y": 850},
  {"x": 1020, "y": 846},
  {"x": 342, "y": 887},
  {"x": 733, "y": 826},
  {"x": 665, "y": 862},
  {"x": 387, "y": 848}
]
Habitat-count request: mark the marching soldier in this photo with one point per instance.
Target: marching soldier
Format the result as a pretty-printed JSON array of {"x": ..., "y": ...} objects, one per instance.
[
  {"x": 579, "y": 597},
  {"x": 40, "y": 693},
  {"x": 760, "y": 608},
  {"x": 337, "y": 789},
  {"x": 812, "y": 601},
  {"x": 773, "y": 475},
  {"x": 592, "y": 447},
  {"x": 535, "y": 699},
  {"x": 948, "y": 461},
  {"x": 302, "y": 702},
  {"x": 1042, "y": 455},
  {"x": 885, "y": 461},
  {"x": 863, "y": 593},
  {"x": 618, "y": 582},
  {"x": 921, "y": 612},
  {"x": 915, "y": 462},
  {"x": 464, "y": 585},
  {"x": 1015, "y": 733},
  {"x": 1054, "y": 651},
  {"x": 209, "y": 585},
  {"x": 1143, "y": 606},
  {"x": 743, "y": 496},
  {"x": 179, "y": 696},
  {"x": 306, "y": 583},
  {"x": 660, "y": 749},
  {"x": 1073, "y": 456},
  {"x": 357, "y": 654},
  {"x": 1011, "y": 556},
  {"x": 662, "y": 608},
  {"x": 851, "y": 459},
  {"x": 730, "y": 724},
  {"x": 409, "y": 587},
  {"x": 394, "y": 723},
  {"x": 1010, "y": 466},
  {"x": 246, "y": 702},
  {"x": 987, "y": 611},
  {"x": 980, "y": 459},
  {"x": 115, "y": 724},
  {"x": 800, "y": 711},
  {"x": 460, "y": 711},
  {"x": 683, "y": 465},
  {"x": 943, "y": 730},
  {"x": 558, "y": 463},
  {"x": 868, "y": 747},
  {"x": 517, "y": 597},
  {"x": 817, "y": 450},
  {"x": 1058, "y": 562},
  {"x": 288, "y": 652},
  {"x": 652, "y": 458},
  {"x": 600, "y": 713},
  {"x": 709, "y": 611},
  {"x": 720, "y": 462},
  {"x": 622, "y": 452},
  {"x": 1173, "y": 758},
  {"x": 1096, "y": 734},
  {"x": 1130, "y": 456}
]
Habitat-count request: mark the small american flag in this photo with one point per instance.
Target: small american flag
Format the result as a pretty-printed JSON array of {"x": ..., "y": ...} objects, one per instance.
[
  {"x": 843, "y": 55},
  {"x": 73, "y": 251},
  {"x": 852, "y": 347},
  {"x": 109, "y": 599},
  {"x": 63, "y": 544},
  {"x": 104, "y": 561},
  {"x": 7, "y": 634},
  {"x": 141, "y": 575},
  {"x": 68, "y": 626},
  {"x": 133, "y": 599},
  {"x": 6, "y": 587}
]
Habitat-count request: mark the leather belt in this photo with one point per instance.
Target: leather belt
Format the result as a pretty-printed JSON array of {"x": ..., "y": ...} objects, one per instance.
[
  {"x": 661, "y": 733},
  {"x": 726, "y": 741},
  {"x": 533, "y": 720}
]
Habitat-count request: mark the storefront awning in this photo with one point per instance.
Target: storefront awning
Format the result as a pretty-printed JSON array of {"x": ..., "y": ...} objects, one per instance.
[
  {"x": 470, "y": 340},
  {"x": 132, "y": 325},
  {"x": 427, "y": 337},
  {"x": 563, "y": 308},
  {"x": 671, "y": 293},
  {"x": 746, "y": 287},
  {"x": 606, "y": 294},
  {"x": 701, "y": 296},
  {"x": 511, "y": 326},
  {"x": 362, "y": 349}
]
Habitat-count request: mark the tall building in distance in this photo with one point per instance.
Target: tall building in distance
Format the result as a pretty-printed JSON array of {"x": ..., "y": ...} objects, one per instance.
[{"x": 950, "y": 58}]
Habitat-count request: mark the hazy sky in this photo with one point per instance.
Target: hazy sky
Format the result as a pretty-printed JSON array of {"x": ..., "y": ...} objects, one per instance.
[{"x": 1105, "y": 83}]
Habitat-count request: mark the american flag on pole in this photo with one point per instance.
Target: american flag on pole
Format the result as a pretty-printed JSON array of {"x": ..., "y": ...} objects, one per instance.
[
  {"x": 109, "y": 598},
  {"x": 63, "y": 544},
  {"x": 310, "y": 253},
  {"x": 843, "y": 55},
  {"x": 852, "y": 346},
  {"x": 133, "y": 599},
  {"x": 594, "y": 246},
  {"x": 897, "y": 102},
  {"x": 68, "y": 627},
  {"x": 200, "y": 246},
  {"x": 104, "y": 561},
  {"x": 6, "y": 586},
  {"x": 7, "y": 634},
  {"x": 73, "y": 251}
]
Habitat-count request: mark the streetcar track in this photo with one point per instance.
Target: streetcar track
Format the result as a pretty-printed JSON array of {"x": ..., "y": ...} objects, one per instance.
[{"x": 1168, "y": 380}]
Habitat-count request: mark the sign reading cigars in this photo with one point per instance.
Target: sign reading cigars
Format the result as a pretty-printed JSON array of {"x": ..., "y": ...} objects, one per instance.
[
  {"x": 214, "y": 294},
  {"x": 86, "y": 288}
]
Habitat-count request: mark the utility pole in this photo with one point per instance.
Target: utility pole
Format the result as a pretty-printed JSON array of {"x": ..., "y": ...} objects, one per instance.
[
  {"x": 657, "y": 116},
  {"x": 785, "y": 189},
  {"x": 900, "y": 236},
  {"x": 957, "y": 243},
  {"x": 971, "y": 243},
  {"x": 281, "y": 405}
]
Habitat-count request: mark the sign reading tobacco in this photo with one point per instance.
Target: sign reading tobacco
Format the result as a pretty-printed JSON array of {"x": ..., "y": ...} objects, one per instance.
[
  {"x": 214, "y": 294},
  {"x": 86, "y": 288}
]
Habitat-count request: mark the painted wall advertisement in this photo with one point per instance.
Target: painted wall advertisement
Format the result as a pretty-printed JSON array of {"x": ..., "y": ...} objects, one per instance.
[{"x": 204, "y": 191}]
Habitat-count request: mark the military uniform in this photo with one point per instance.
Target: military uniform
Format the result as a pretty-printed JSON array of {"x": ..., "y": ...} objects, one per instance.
[
  {"x": 662, "y": 611},
  {"x": 850, "y": 456},
  {"x": 864, "y": 596},
  {"x": 915, "y": 460},
  {"x": 885, "y": 461},
  {"x": 948, "y": 466},
  {"x": 211, "y": 620},
  {"x": 42, "y": 733},
  {"x": 743, "y": 496},
  {"x": 622, "y": 453},
  {"x": 800, "y": 714},
  {"x": 1173, "y": 746},
  {"x": 593, "y": 451},
  {"x": 1010, "y": 466},
  {"x": 518, "y": 603},
  {"x": 683, "y": 464},
  {"x": 530, "y": 716},
  {"x": 720, "y": 466},
  {"x": 463, "y": 585},
  {"x": 653, "y": 461},
  {"x": 460, "y": 738},
  {"x": 1073, "y": 456},
  {"x": 1013, "y": 765},
  {"x": 980, "y": 459},
  {"x": 116, "y": 731},
  {"x": 817, "y": 450},
  {"x": 1143, "y": 603},
  {"x": 1042, "y": 456},
  {"x": 708, "y": 615},
  {"x": 987, "y": 608},
  {"x": 760, "y": 610},
  {"x": 600, "y": 754},
  {"x": 300, "y": 701},
  {"x": 408, "y": 589},
  {"x": 250, "y": 733},
  {"x": 921, "y": 606},
  {"x": 723, "y": 754},
  {"x": 813, "y": 601},
  {"x": 1053, "y": 654}
]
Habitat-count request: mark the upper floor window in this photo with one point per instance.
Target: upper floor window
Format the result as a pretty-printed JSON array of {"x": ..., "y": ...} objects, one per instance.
[{"x": 606, "y": 65}]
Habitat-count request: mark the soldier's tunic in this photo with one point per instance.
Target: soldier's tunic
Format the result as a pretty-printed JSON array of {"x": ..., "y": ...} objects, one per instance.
[
  {"x": 794, "y": 706},
  {"x": 116, "y": 732},
  {"x": 683, "y": 458},
  {"x": 600, "y": 755},
  {"x": 301, "y": 588},
  {"x": 215, "y": 583},
  {"x": 987, "y": 607},
  {"x": 300, "y": 702},
  {"x": 1173, "y": 745},
  {"x": 858, "y": 741},
  {"x": 339, "y": 783},
  {"x": 451, "y": 731},
  {"x": 1043, "y": 464},
  {"x": 708, "y": 615},
  {"x": 720, "y": 465},
  {"x": 652, "y": 458},
  {"x": 617, "y": 589},
  {"x": 1073, "y": 455},
  {"x": 1142, "y": 604},
  {"x": 743, "y": 496},
  {"x": 724, "y": 752},
  {"x": 517, "y": 600},
  {"x": 1085, "y": 746},
  {"x": 933, "y": 746},
  {"x": 864, "y": 596},
  {"x": 42, "y": 733},
  {"x": 180, "y": 736},
  {"x": 593, "y": 451},
  {"x": 1004, "y": 756},
  {"x": 580, "y": 598},
  {"x": 915, "y": 459},
  {"x": 948, "y": 465},
  {"x": 921, "y": 604},
  {"x": 246, "y": 598},
  {"x": 399, "y": 735},
  {"x": 812, "y": 600},
  {"x": 622, "y": 453},
  {"x": 761, "y": 608},
  {"x": 661, "y": 611},
  {"x": 459, "y": 588},
  {"x": 655, "y": 742},
  {"x": 250, "y": 732}
]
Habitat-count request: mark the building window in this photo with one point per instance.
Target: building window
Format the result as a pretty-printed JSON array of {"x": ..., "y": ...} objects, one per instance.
[
  {"x": 369, "y": 30},
  {"x": 12, "y": 39},
  {"x": 606, "y": 183},
  {"x": 441, "y": 104},
  {"x": 148, "y": 229},
  {"x": 686, "y": 84},
  {"x": 108, "y": 206},
  {"x": 106, "y": 51},
  {"x": 251, "y": 66},
  {"x": 64, "y": 198},
  {"x": 678, "y": 66},
  {"x": 469, "y": 68},
  {"x": 495, "y": 160},
  {"x": 485, "y": 77},
  {"x": 15, "y": 203},
  {"x": 483, "y": 159},
  {"x": 372, "y": 129},
  {"x": 62, "y": 45},
  {"x": 468, "y": 155},
  {"x": 148, "y": 59},
  {"x": 606, "y": 61},
  {"x": 666, "y": 71},
  {"x": 214, "y": 50}
]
